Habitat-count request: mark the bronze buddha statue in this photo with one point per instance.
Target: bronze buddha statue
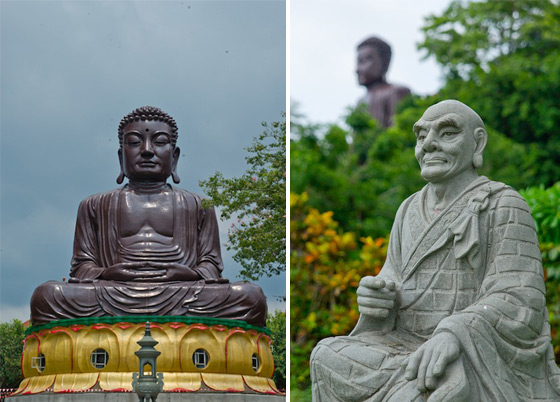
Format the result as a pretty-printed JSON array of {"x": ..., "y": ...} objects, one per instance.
[
  {"x": 382, "y": 97},
  {"x": 147, "y": 248}
]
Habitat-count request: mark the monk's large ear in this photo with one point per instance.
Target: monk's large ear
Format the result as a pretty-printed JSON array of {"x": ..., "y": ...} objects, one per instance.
[
  {"x": 174, "y": 175},
  {"x": 120, "y": 179},
  {"x": 480, "y": 138}
]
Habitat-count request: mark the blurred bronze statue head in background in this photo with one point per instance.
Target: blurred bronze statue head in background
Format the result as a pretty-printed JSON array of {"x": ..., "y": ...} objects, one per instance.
[{"x": 374, "y": 57}]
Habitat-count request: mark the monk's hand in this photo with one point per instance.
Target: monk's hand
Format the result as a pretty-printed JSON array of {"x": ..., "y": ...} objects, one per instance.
[
  {"x": 429, "y": 362},
  {"x": 174, "y": 272},
  {"x": 131, "y": 271},
  {"x": 376, "y": 297}
]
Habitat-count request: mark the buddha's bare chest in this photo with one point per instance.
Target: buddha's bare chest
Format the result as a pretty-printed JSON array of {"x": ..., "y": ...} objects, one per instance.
[
  {"x": 145, "y": 216},
  {"x": 380, "y": 97}
]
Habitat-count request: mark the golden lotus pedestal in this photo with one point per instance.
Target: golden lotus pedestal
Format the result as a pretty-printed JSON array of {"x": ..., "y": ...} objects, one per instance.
[
  {"x": 130, "y": 397},
  {"x": 70, "y": 360}
]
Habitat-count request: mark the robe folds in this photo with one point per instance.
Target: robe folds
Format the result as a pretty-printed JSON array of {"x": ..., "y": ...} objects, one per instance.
[
  {"x": 474, "y": 270},
  {"x": 195, "y": 244}
]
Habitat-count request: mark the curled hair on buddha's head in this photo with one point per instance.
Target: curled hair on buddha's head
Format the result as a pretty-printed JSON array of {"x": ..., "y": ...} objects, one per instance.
[
  {"x": 149, "y": 113},
  {"x": 383, "y": 49}
]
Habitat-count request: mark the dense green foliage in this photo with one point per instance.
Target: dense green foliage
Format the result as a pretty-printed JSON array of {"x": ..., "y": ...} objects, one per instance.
[
  {"x": 363, "y": 173},
  {"x": 276, "y": 322},
  {"x": 502, "y": 58},
  {"x": 258, "y": 200},
  {"x": 347, "y": 177},
  {"x": 300, "y": 395},
  {"x": 325, "y": 263},
  {"x": 11, "y": 346},
  {"x": 545, "y": 206}
]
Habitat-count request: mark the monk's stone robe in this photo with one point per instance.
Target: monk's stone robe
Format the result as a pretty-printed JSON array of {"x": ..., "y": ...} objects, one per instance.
[
  {"x": 474, "y": 270},
  {"x": 195, "y": 244}
]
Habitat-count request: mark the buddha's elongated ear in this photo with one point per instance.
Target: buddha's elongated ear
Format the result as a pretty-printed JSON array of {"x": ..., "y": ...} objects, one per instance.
[
  {"x": 174, "y": 175},
  {"x": 480, "y": 139},
  {"x": 121, "y": 176}
]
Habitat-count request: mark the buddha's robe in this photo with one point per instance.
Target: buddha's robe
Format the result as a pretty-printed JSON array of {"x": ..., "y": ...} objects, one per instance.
[
  {"x": 195, "y": 244},
  {"x": 474, "y": 270},
  {"x": 382, "y": 101}
]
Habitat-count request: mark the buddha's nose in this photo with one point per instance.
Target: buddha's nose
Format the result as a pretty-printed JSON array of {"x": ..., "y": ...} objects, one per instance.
[{"x": 147, "y": 151}]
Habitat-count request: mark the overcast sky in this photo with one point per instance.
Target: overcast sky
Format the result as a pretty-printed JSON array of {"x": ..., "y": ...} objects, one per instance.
[
  {"x": 70, "y": 70},
  {"x": 323, "y": 39}
]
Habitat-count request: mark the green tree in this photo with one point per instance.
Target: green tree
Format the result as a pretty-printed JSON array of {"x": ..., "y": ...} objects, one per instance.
[
  {"x": 545, "y": 207},
  {"x": 11, "y": 346},
  {"x": 277, "y": 324},
  {"x": 502, "y": 58},
  {"x": 258, "y": 200},
  {"x": 360, "y": 173},
  {"x": 325, "y": 263},
  {"x": 363, "y": 173}
]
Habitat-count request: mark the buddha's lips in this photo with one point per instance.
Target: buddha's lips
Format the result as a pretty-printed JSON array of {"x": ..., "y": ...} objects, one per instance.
[{"x": 147, "y": 164}]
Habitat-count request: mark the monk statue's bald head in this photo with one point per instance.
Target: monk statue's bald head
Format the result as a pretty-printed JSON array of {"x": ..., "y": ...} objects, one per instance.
[{"x": 454, "y": 106}]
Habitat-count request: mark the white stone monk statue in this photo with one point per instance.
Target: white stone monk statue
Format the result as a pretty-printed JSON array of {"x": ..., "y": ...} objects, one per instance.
[{"x": 458, "y": 311}]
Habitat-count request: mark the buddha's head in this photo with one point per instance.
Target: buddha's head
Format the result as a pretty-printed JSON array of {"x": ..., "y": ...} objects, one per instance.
[
  {"x": 148, "y": 151},
  {"x": 374, "y": 56},
  {"x": 450, "y": 140}
]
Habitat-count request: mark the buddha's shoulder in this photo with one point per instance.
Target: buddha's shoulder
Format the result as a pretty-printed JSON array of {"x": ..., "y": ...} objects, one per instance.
[
  {"x": 186, "y": 194},
  {"x": 110, "y": 196},
  {"x": 191, "y": 201},
  {"x": 400, "y": 90},
  {"x": 94, "y": 198}
]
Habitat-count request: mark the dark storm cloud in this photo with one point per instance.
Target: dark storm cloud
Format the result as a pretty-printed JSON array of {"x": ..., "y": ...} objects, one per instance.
[{"x": 71, "y": 70}]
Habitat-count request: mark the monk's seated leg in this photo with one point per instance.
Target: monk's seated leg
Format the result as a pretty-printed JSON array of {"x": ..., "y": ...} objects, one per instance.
[
  {"x": 60, "y": 300},
  {"x": 351, "y": 368},
  {"x": 370, "y": 367}
]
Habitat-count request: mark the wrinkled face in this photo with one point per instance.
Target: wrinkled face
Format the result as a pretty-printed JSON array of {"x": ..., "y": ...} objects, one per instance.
[
  {"x": 444, "y": 144},
  {"x": 147, "y": 152},
  {"x": 370, "y": 65}
]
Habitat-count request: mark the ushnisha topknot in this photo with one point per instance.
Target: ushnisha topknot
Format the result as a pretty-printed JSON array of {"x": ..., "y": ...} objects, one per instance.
[
  {"x": 149, "y": 113},
  {"x": 383, "y": 49}
]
